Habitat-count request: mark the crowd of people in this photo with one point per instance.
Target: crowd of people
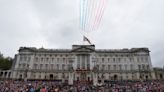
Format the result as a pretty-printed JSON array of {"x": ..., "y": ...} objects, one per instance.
[{"x": 52, "y": 86}]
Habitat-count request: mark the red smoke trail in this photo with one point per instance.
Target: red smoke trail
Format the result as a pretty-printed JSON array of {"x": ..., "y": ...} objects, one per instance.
[
  {"x": 91, "y": 12},
  {"x": 101, "y": 14},
  {"x": 97, "y": 15}
]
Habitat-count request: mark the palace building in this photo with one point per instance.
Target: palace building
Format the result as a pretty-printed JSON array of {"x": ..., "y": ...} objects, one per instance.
[{"x": 82, "y": 63}]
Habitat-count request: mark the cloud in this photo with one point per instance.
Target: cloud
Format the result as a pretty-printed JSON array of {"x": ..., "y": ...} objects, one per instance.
[{"x": 55, "y": 24}]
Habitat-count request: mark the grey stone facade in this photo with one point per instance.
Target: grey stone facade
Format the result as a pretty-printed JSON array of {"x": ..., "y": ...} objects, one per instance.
[{"x": 83, "y": 63}]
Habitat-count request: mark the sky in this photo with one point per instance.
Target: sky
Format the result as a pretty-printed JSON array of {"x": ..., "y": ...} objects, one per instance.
[{"x": 55, "y": 24}]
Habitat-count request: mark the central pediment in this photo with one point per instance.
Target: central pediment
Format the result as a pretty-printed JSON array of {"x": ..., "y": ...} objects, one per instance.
[{"x": 83, "y": 48}]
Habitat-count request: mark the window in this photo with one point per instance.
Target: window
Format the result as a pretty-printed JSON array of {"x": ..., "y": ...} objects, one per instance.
[
  {"x": 125, "y": 67},
  {"x": 63, "y": 66},
  {"x": 108, "y": 59},
  {"x": 146, "y": 59},
  {"x": 83, "y": 65},
  {"x": 58, "y": 60},
  {"x": 19, "y": 65},
  {"x": 103, "y": 60},
  {"x": 131, "y": 67},
  {"x": 41, "y": 59},
  {"x": 143, "y": 66},
  {"x": 46, "y": 66},
  {"x": 114, "y": 67},
  {"x": 114, "y": 60},
  {"x": 36, "y": 59},
  {"x": 35, "y": 66},
  {"x": 29, "y": 58},
  {"x": 39, "y": 76},
  {"x": 47, "y": 59},
  {"x": 119, "y": 59},
  {"x": 142, "y": 59},
  {"x": 27, "y": 65},
  {"x": 139, "y": 67},
  {"x": 24, "y": 65},
  {"x": 41, "y": 66},
  {"x": 57, "y": 66},
  {"x": 88, "y": 66},
  {"x": 108, "y": 67},
  {"x": 130, "y": 59},
  {"x": 126, "y": 76},
  {"x": 120, "y": 67},
  {"x": 148, "y": 67},
  {"x": 98, "y": 67},
  {"x": 103, "y": 67},
  {"x": 25, "y": 58},
  {"x": 20, "y": 58},
  {"x": 138, "y": 59},
  {"x": 78, "y": 66},
  {"x": 52, "y": 66}
]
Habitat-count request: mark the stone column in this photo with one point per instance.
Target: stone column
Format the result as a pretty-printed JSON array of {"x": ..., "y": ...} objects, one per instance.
[
  {"x": 3, "y": 75},
  {"x": 17, "y": 62},
  {"x": 74, "y": 62},
  {"x": 153, "y": 75},
  {"x": 94, "y": 79},
  {"x": 29, "y": 75},
  {"x": 7, "y": 75},
  {"x": 43, "y": 75},
  {"x": 32, "y": 60},
  {"x": 137, "y": 76},
  {"x": 70, "y": 80},
  {"x": 14, "y": 75}
]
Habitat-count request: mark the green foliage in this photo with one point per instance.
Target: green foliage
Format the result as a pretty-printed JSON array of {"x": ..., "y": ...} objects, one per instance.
[{"x": 5, "y": 63}]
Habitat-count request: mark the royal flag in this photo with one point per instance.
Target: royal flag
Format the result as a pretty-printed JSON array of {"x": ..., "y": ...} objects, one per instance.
[{"x": 86, "y": 39}]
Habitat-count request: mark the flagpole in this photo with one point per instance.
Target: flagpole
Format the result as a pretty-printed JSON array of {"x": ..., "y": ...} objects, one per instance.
[
  {"x": 84, "y": 35},
  {"x": 83, "y": 40}
]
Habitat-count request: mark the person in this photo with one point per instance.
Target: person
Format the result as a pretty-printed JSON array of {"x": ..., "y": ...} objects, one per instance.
[
  {"x": 32, "y": 89},
  {"x": 43, "y": 89},
  {"x": 56, "y": 90}
]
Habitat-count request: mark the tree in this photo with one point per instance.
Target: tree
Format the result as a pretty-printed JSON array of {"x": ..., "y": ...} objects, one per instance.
[
  {"x": 1, "y": 55},
  {"x": 5, "y": 62}
]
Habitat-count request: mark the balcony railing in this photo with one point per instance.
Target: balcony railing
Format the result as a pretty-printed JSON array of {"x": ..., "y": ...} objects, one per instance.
[
  {"x": 121, "y": 71},
  {"x": 43, "y": 70}
]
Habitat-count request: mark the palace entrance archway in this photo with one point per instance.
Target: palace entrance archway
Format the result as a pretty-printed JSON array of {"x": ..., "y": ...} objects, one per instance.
[
  {"x": 115, "y": 77},
  {"x": 83, "y": 77},
  {"x": 51, "y": 76}
]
